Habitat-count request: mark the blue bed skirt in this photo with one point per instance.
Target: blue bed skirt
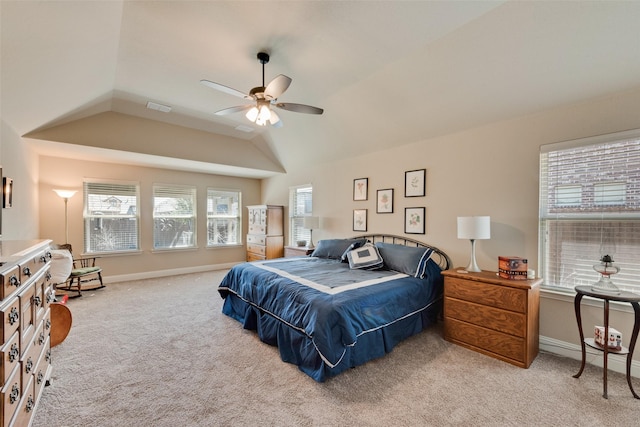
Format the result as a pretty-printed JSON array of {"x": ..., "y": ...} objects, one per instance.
[{"x": 297, "y": 348}]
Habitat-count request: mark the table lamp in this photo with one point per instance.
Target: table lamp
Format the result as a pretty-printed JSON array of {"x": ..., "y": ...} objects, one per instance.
[
  {"x": 311, "y": 222},
  {"x": 474, "y": 228}
]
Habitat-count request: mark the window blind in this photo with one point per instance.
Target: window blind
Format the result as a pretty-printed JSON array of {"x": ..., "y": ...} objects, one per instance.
[
  {"x": 300, "y": 205},
  {"x": 111, "y": 222},
  {"x": 590, "y": 207},
  {"x": 223, "y": 217},
  {"x": 174, "y": 216}
]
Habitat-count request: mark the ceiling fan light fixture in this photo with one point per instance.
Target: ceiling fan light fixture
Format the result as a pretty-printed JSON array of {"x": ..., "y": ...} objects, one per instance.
[
  {"x": 252, "y": 114},
  {"x": 274, "y": 118}
]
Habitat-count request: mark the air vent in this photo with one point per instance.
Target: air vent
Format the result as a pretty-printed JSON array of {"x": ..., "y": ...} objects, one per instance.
[
  {"x": 158, "y": 107},
  {"x": 244, "y": 128}
]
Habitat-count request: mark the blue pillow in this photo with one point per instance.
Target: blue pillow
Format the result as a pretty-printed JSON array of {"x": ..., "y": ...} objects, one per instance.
[
  {"x": 404, "y": 259},
  {"x": 365, "y": 257},
  {"x": 333, "y": 248}
]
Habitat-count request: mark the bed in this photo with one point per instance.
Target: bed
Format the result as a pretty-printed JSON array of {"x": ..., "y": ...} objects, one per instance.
[{"x": 351, "y": 301}]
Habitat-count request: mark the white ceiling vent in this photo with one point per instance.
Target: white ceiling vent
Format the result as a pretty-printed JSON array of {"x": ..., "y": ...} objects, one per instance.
[
  {"x": 158, "y": 107},
  {"x": 244, "y": 128}
]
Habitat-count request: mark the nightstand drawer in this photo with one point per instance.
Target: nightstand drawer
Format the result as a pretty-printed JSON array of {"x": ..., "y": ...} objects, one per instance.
[
  {"x": 484, "y": 340},
  {"x": 484, "y": 293},
  {"x": 505, "y": 321}
]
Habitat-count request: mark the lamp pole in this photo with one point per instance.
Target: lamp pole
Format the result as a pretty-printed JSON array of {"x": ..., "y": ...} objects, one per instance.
[{"x": 66, "y": 195}]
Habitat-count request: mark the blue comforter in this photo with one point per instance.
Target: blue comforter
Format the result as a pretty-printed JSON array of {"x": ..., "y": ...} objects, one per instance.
[{"x": 332, "y": 306}]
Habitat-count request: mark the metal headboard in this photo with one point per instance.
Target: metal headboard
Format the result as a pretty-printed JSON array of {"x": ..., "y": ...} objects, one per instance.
[{"x": 440, "y": 257}]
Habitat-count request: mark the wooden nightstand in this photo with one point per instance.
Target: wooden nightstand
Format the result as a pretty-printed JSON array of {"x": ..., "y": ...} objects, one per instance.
[
  {"x": 291, "y": 251},
  {"x": 494, "y": 316}
]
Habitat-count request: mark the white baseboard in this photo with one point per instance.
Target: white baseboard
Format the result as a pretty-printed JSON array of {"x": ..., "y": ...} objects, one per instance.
[
  {"x": 617, "y": 362},
  {"x": 165, "y": 273}
]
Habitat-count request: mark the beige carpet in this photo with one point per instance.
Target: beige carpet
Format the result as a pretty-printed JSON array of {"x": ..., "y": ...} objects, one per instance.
[{"x": 160, "y": 353}]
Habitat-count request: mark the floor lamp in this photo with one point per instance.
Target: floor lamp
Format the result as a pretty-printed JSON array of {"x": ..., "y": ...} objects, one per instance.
[
  {"x": 473, "y": 228},
  {"x": 66, "y": 195}
]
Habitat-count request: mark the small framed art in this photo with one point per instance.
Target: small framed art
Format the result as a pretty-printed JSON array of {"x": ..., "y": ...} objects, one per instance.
[
  {"x": 384, "y": 202},
  {"x": 360, "y": 220},
  {"x": 415, "y": 183},
  {"x": 414, "y": 220},
  {"x": 361, "y": 189}
]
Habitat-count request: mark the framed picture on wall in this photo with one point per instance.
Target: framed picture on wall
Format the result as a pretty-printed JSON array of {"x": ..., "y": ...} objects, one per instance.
[
  {"x": 414, "y": 220},
  {"x": 361, "y": 189},
  {"x": 360, "y": 220},
  {"x": 415, "y": 183},
  {"x": 384, "y": 201}
]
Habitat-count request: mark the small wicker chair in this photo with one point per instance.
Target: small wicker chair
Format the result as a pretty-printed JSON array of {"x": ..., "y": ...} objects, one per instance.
[{"x": 84, "y": 271}]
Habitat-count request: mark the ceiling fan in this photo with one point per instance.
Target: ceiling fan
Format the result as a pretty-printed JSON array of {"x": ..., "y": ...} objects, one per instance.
[{"x": 265, "y": 97}]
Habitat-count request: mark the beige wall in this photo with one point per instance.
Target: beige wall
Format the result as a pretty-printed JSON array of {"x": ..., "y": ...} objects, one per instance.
[
  {"x": 69, "y": 174},
  {"x": 20, "y": 163},
  {"x": 492, "y": 170}
]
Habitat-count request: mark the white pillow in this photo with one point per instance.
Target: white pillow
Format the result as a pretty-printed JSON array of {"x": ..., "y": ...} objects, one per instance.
[
  {"x": 366, "y": 257},
  {"x": 61, "y": 264}
]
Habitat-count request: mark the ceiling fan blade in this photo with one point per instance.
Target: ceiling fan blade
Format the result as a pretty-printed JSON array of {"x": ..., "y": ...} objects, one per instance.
[
  {"x": 232, "y": 110},
  {"x": 225, "y": 89},
  {"x": 299, "y": 108},
  {"x": 277, "y": 86}
]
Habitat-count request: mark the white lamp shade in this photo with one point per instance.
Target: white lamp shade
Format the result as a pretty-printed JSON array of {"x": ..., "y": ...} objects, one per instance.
[
  {"x": 65, "y": 194},
  {"x": 474, "y": 227},
  {"x": 311, "y": 222}
]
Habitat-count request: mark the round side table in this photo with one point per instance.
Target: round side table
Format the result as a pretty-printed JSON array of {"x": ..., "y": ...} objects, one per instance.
[{"x": 623, "y": 296}]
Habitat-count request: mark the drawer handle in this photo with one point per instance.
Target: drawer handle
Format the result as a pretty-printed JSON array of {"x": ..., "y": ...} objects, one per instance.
[
  {"x": 14, "y": 353},
  {"x": 28, "y": 366},
  {"x": 47, "y": 356},
  {"x": 13, "y": 281},
  {"x": 40, "y": 377},
  {"x": 30, "y": 404},
  {"x": 37, "y": 301},
  {"x": 41, "y": 338},
  {"x": 48, "y": 276},
  {"x": 13, "y": 316},
  {"x": 51, "y": 296},
  {"x": 15, "y": 394},
  {"x": 26, "y": 271},
  {"x": 47, "y": 324}
]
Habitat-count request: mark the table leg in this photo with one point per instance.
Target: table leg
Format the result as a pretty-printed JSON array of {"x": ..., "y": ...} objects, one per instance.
[
  {"x": 576, "y": 303},
  {"x": 606, "y": 349},
  {"x": 632, "y": 344}
]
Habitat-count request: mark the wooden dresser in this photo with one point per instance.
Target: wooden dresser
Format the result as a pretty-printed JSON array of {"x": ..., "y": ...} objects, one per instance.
[
  {"x": 26, "y": 294},
  {"x": 494, "y": 316},
  {"x": 265, "y": 239}
]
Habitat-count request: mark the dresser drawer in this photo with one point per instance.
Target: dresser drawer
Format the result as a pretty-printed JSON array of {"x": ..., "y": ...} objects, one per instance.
[
  {"x": 10, "y": 318},
  {"x": 27, "y": 314},
  {"x": 257, "y": 229},
  {"x": 27, "y": 405},
  {"x": 10, "y": 353},
  {"x": 505, "y": 321},
  {"x": 256, "y": 249},
  {"x": 485, "y": 293},
  {"x": 42, "y": 371},
  {"x": 32, "y": 265},
  {"x": 10, "y": 281},
  {"x": 485, "y": 340},
  {"x": 258, "y": 239},
  {"x": 10, "y": 395},
  {"x": 255, "y": 257}
]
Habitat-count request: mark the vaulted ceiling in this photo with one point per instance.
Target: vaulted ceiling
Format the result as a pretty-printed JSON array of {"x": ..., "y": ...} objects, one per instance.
[{"x": 386, "y": 72}]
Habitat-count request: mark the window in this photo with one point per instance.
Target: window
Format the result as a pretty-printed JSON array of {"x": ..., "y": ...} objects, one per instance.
[
  {"x": 174, "y": 216},
  {"x": 111, "y": 216},
  {"x": 300, "y": 205},
  {"x": 223, "y": 217},
  {"x": 590, "y": 207}
]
